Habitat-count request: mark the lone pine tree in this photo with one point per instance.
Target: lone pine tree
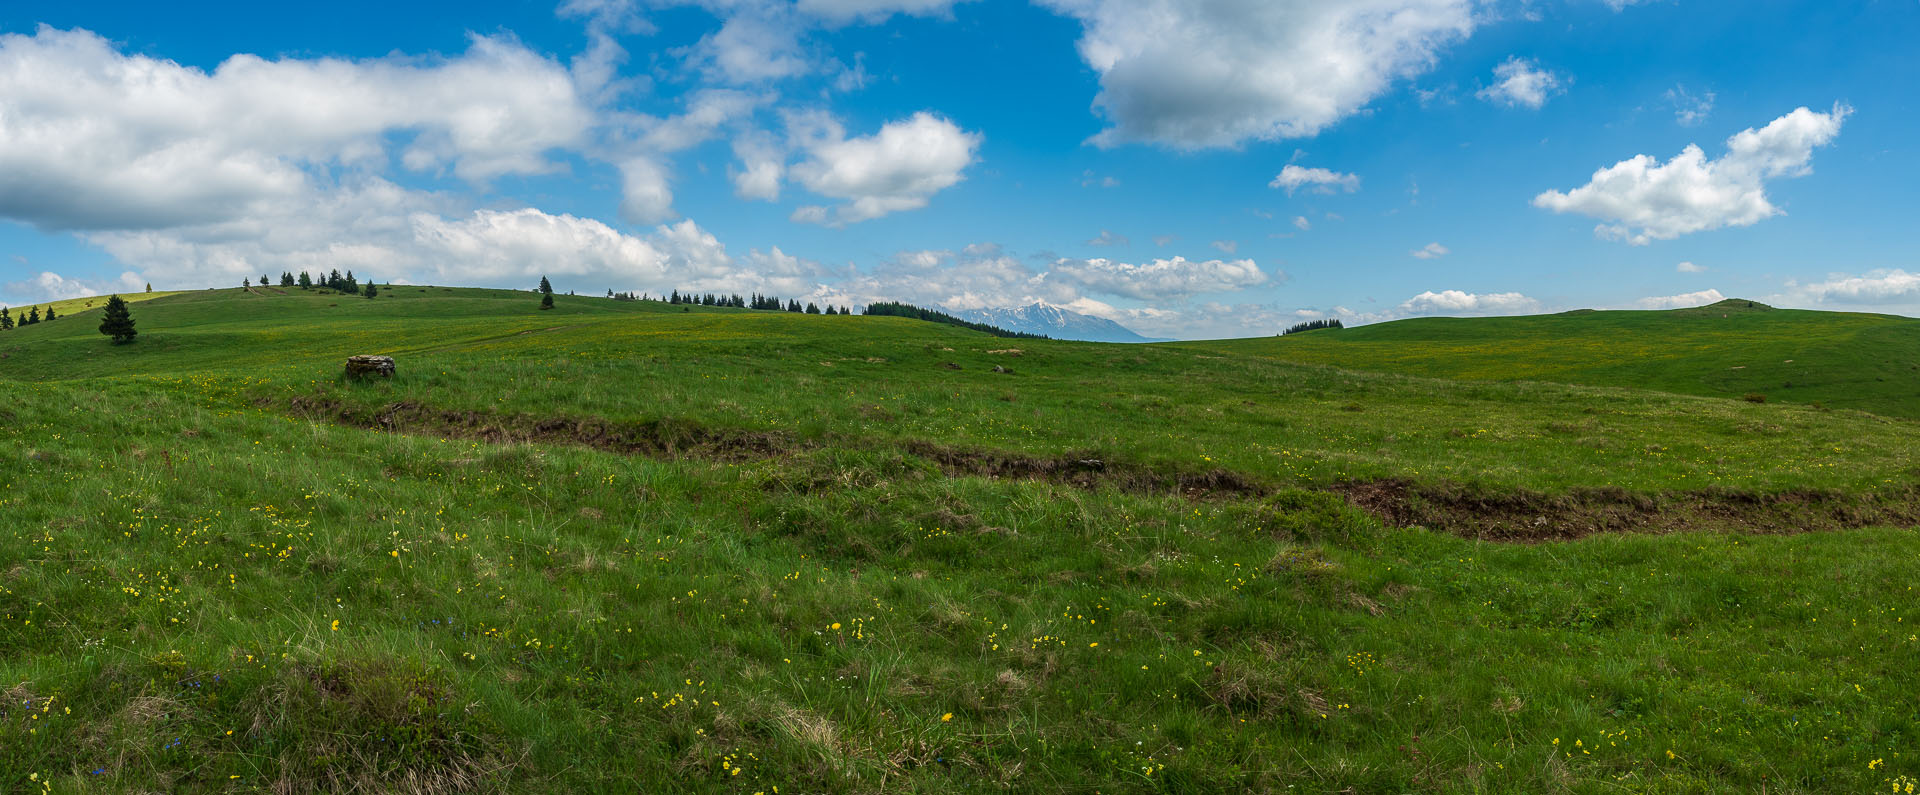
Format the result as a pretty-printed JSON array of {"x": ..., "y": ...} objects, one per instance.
[
  {"x": 117, "y": 322},
  {"x": 546, "y": 287}
]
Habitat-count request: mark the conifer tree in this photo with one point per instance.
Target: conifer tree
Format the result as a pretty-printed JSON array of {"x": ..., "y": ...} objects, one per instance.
[
  {"x": 370, "y": 291},
  {"x": 546, "y": 301},
  {"x": 286, "y": 280},
  {"x": 546, "y": 287},
  {"x": 264, "y": 281},
  {"x": 33, "y": 316},
  {"x": 6, "y": 320},
  {"x": 117, "y": 322},
  {"x": 793, "y": 305},
  {"x": 50, "y": 314},
  {"x": 306, "y": 281},
  {"x": 812, "y": 309},
  {"x": 246, "y": 282},
  {"x": 149, "y": 286}
]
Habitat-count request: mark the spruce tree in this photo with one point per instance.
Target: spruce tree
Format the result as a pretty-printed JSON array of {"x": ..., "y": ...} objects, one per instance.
[
  {"x": 812, "y": 309},
  {"x": 246, "y": 282},
  {"x": 370, "y": 291},
  {"x": 306, "y": 281},
  {"x": 286, "y": 280},
  {"x": 50, "y": 314},
  {"x": 33, "y": 316},
  {"x": 117, "y": 322},
  {"x": 546, "y": 300},
  {"x": 546, "y": 287},
  {"x": 6, "y": 320},
  {"x": 149, "y": 286},
  {"x": 264, "y": 281}
]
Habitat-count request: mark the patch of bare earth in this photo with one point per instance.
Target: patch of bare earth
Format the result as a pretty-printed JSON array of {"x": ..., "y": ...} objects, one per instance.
[{"x": 1508, "y": 515}]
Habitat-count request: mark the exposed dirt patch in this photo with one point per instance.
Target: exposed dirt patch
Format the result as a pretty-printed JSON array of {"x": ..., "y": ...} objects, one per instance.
[
  {"x": 1084, "y": 471},
  {"x": 663, "y": 438},
  {"x": 1527, "y": 516},
  {"x": 1508, "y": 515}
]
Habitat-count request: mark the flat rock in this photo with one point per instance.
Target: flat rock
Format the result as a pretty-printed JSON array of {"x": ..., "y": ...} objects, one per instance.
[{"x": 363, "y": 366}]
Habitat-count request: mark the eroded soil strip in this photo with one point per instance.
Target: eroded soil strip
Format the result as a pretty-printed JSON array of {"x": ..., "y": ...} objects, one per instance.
[{"x": 1511, "y": 515}]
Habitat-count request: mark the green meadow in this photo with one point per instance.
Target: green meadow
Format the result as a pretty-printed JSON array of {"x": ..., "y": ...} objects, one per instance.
[
  {"x": 628, "y": 546},
  {"x": 1733, "y": 348}
]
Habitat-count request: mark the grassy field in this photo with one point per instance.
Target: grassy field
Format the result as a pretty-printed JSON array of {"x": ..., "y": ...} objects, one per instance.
[
  {"x": 1730, "y": 349},
  {"x": 618, "y": 546}
]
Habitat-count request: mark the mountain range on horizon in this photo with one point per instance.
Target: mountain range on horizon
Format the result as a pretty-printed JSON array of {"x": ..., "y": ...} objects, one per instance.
[{"x": 1055, "y": 321}]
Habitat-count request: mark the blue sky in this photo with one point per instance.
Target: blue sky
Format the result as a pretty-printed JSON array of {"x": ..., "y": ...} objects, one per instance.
[{"x": 1187, "y": 168}]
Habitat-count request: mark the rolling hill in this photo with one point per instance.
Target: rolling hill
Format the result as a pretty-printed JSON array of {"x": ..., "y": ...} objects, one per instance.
[
  {"x": 1732, "y": 349},
  {"x": 67, "y": 306},
  {"x": 622, "y": 546}
]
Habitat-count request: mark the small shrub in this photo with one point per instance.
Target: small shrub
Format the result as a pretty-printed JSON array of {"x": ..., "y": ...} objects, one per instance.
[{"x": 1754, "y": 397}]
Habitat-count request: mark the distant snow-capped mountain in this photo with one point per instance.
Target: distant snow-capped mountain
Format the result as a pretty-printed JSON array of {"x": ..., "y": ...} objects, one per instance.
[{"x": 1054, "y": 321}]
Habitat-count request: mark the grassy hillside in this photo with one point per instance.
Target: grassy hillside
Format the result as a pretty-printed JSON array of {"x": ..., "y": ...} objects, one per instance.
[
  {"x": 1730, "y": 349},
  {"x": 74, "y": 306},
  {"x": 621, "y": 546}
]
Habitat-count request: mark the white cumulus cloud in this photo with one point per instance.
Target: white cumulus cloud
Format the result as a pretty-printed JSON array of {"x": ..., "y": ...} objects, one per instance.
[
  {"x": 898, "y": 168},
  {"x": 1688, "y": 267},
  {"x": 47, "y": 286},
  {"x": 1323, "y": 180},
  {"x": 1458, "y": 302},
  {"x": 762, "y": 166},
  {"x": 1885, "y": 287},
  {"x": 91, "y": 138},
  {"x": 870, "y": 11},
  {"x": 1161, "y": 279},
  {"x": 979, "y": 277},
  {"x": 1641, "y": 199},
  {"x": 1681, "y": 301},
  {"x": 1430, "y": 251},
  {"x": 1193, "y": 74},
  {"x": 1519, "y": 81}
]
